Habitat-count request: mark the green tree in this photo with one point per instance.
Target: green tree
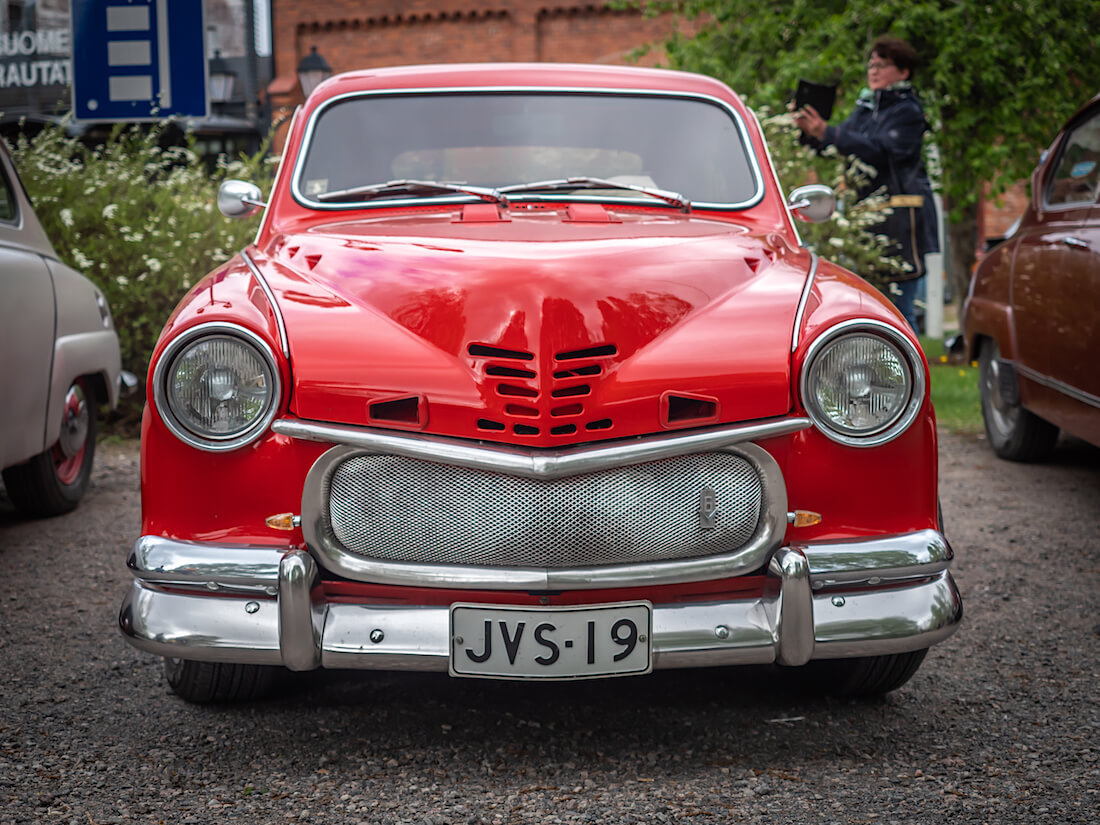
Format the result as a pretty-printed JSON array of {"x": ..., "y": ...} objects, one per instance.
[{"x": 997, "y": 80}]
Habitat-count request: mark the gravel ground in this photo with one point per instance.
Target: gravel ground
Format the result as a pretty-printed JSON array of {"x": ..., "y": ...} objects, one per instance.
[{"x": 999, "y": 725}]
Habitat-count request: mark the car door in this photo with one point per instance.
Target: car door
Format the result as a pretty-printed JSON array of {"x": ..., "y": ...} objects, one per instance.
[
  {"x": 27, "y": 326},
  {"x": 1056, "y": 277}
]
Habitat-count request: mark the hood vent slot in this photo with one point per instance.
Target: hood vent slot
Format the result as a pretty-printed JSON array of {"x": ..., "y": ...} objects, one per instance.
[
  {"x": 576, "y": 372},
  {"x": 411, "y": 411},
  {"x": 601, "y": 351},
  {"x": 509, "y": 372},
  {"x": 485, "y": 351},
  {"x": 681, "y": 410}
]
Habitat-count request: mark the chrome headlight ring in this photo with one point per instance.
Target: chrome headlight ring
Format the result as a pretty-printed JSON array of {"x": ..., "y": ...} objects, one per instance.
[
  {"x": 884, "y": 350},
  {"x": 183, "y": 364}
]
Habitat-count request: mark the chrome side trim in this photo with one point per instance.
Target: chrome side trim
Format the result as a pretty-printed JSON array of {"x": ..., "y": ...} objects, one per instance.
[
  {"x": 877, "y": 559},
  {"x": 802, "y": 301},
  {"x": 769, "y": 532},
  {"x": 284, "y": 341},
  {"x": 307, "y": 140},
  {"x": 1055, "y": 384},
  {"x": 533, "y": 463}
]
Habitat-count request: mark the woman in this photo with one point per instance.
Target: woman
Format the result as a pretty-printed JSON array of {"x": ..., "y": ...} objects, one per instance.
[{"x": 886, "y": 131}]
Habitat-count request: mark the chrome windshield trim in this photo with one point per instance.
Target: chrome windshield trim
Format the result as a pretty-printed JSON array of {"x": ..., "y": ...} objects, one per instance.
[
  {"x": 533, "y": 463},
  {"x": 307, "y": 139},
  {"x": 284, "y": 341},
  {"x": 751, "y": 556},
  {"x": 1055, "y": 384},
  {"x": 803, "y": 300}
]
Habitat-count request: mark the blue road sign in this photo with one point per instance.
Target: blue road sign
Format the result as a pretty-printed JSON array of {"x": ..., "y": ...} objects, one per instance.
[{"x": 138, "y": 60}]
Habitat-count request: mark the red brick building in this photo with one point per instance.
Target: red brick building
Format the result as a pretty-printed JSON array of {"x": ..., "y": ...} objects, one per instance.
[{"x": 356, "y": 35}]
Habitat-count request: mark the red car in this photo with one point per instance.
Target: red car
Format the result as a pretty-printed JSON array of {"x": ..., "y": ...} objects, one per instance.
[
  {"x": 527, "y": 376},
  {"x": 1030, "y": 318}
]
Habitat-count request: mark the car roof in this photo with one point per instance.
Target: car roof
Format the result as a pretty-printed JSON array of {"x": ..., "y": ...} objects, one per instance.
[{"x": 551, "y": 75}]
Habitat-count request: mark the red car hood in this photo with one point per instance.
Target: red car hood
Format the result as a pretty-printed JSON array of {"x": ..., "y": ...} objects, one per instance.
[{"x": 546, "y": 328}]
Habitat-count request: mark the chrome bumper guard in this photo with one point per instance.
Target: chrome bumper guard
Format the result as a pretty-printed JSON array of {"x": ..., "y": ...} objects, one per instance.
[{"x": 264, "y": 605}]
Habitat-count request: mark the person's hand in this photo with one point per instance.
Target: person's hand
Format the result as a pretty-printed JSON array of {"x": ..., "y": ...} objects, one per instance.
[{"x": 809, "y": 121}]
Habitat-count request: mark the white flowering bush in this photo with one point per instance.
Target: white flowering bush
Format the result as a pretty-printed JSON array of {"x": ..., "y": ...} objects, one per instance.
[
  {"x": 137, "y": 218},
  {"x": 844, "y": 238}
]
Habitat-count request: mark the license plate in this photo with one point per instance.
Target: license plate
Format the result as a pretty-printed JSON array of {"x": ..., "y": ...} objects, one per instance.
[{"x": 586, "y": 642}]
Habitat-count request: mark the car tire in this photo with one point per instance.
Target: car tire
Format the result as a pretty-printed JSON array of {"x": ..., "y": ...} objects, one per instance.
[
  {"x": 54, "y": 481},
  {"x": 863, "y": 677},
  {"x": 213, "y": 682},
  {"x": 1014, "y": 433}
]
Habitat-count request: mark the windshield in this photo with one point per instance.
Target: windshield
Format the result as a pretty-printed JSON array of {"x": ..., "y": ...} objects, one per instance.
[{"x": 496, "y": 140}]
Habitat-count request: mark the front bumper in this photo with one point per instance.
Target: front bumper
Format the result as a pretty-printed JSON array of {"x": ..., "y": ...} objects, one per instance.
[{"x": 265, "y": 606}]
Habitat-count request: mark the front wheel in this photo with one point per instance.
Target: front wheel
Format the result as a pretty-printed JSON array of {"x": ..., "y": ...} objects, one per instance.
[
  {"x": 1013, "y": 432},
  {"x": 208, "y": 682},
  {"x": 54, "y": 481},
  {"x": 863, "y": 677}
]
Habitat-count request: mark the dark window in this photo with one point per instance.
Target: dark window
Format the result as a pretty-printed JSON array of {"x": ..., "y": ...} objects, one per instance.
[
  {"x": 8, "y": 208},
  {"x": 1076, "y": 177}
]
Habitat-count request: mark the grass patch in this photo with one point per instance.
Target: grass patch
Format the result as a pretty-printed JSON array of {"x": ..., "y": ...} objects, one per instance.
[{"x": 954, "y": 390}]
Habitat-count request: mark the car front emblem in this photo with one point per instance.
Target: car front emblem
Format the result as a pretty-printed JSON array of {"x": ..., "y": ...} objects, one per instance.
[{"x": 708, "y": 509}]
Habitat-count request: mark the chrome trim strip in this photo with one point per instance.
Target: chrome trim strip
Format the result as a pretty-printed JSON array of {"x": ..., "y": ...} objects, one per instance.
[
  {"x": 247, "y": 436},
  {"x": 284, "y": 341},
  {"x": 745, "y": 631},
  {"x": 1055, "y": 384},
  {"x": 877, "y": 559},
  {"x": 803, "y": 300},
  {"x": 307, "y": 138},
  {"x": 916, "y": 366},
  {"x": 535, "y": 463},
  {"x": 769, "y": 533}
]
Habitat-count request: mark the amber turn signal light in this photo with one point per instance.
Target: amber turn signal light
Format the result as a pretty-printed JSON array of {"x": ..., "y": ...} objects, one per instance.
[{"x": 283, "y": 521}]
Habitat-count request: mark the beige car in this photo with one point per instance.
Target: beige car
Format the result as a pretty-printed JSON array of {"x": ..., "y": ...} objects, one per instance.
[{"x": 59, "y": 360}]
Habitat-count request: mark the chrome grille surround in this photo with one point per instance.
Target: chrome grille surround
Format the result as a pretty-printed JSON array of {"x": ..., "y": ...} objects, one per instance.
[{"x": 610, "y": 527}]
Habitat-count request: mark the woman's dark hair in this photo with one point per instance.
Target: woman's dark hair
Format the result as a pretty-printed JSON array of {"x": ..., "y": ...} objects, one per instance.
[{"x": 898, "y": 52}]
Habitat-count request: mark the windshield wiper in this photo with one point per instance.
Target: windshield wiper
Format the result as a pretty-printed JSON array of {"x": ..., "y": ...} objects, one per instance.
[
  {"x": 411, "y": 187},
  {"x": 585, "y": 182}
]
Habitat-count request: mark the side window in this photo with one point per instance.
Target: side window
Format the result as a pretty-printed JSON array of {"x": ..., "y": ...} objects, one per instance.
[
  {"x": 1076, "y": 178},
  {"x": 8, "y": 210}
]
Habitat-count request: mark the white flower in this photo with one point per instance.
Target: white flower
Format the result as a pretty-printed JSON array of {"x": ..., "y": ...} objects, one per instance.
[
  {"x": 109, "y": 211},
  {"x": 122, "y": 280},
  {"x": 153, "y": 264},
  {"x": 66, "y": 216},
  {"x": 837, "y": 242}
]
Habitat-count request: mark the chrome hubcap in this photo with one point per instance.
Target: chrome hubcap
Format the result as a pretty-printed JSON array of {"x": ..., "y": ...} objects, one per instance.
[
  {"x": 74, "y": 423},
  {"x": 1002, "y": 414}
]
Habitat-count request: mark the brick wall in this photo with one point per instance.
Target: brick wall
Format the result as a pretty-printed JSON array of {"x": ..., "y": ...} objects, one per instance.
[{"x": 356, "y": 35}]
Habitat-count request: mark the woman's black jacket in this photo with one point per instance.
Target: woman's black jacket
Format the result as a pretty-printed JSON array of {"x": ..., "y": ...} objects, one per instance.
[{"x": 886, "y": 131}]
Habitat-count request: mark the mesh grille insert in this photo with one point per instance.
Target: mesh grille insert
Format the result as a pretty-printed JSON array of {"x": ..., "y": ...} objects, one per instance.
[{"x": 401, "y": 509}]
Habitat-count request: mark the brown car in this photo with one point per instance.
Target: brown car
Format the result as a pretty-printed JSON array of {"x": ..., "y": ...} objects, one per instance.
[{"x": 1032, "y": 318}]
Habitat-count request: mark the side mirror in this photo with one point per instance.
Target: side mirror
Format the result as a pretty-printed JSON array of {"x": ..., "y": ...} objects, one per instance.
[
  {"x": 239, "y": 199},
  {"x": 814, "y": 203}
]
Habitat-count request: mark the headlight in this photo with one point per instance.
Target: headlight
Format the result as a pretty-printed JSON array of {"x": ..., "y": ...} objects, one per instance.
[
  {"x": 862, "y": 383},
  {"x": 217, "y": 387}
]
